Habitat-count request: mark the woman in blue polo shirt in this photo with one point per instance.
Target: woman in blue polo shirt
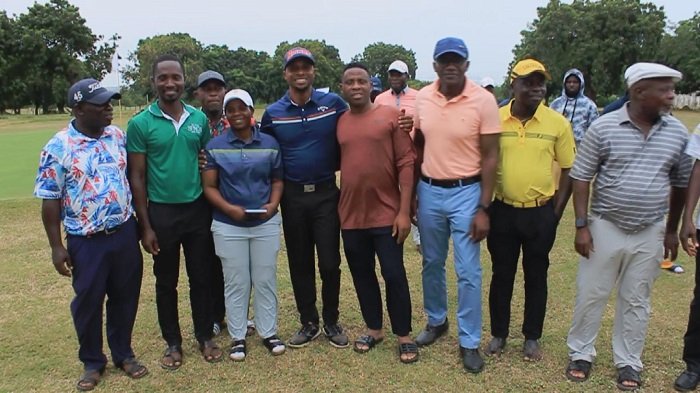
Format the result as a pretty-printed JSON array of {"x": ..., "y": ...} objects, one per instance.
[{"x": 243, "y": 181}]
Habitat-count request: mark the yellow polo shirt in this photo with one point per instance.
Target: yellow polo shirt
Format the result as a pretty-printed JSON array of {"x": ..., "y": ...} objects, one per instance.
[{"x": 528, "y": 152}]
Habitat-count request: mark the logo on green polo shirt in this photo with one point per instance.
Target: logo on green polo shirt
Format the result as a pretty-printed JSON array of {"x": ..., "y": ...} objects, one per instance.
[{"x": 195, "y": 128}]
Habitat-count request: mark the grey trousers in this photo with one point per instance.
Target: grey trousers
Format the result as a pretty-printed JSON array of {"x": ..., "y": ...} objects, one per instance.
[
  {"x": 630, "y": 260},
  {"x": 249, "y": 258}
]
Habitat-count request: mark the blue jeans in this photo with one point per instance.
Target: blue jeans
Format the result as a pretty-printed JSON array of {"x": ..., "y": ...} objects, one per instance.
[{"x": 445, "y": 212}]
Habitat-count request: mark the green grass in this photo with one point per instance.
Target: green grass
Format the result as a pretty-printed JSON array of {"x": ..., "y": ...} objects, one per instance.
[{"x": 38, "y": 348}]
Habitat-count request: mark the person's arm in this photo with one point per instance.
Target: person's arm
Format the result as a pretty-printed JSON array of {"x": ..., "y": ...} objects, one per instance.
[
  {"x": 210, "y": 180},
  {"x": 583, "y": 241},
  {"x": 404, "y": 161},
  {"x": 137, "y": 179},
  {"x": 489, "y": 146},
  {"x": 671, "y": 239},
  {"x": 564, "y": 154},
  {"x": 51, "y": 217},
  {"x": 418, "y": 144}
]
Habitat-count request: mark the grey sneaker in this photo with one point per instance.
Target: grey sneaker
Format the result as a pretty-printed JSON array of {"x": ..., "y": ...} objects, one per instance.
[
  {"x": 532, "y": 350},
  {"x": 472, "y": 360},
  {"x": 431, "y": 333},
  {"x": 336, "y": 335},
  {"x": 496, "y": 346},
  {"x": 304, "y": 336}
]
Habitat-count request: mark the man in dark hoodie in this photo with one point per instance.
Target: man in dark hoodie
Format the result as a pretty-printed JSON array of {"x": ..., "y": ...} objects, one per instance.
[{"x": 574, "y": 105}]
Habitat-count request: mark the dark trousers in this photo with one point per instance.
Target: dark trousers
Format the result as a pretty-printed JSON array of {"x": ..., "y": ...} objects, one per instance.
[
  {"x": 361, "y": 245},
  {"x": 310, "y": 220},
  {"x": 186, "y": 225},
  {"x": 691, "y": 348},
  {"x": 533, "y": 230},
  {"x": 111, "y": 266},
  {"x": 218, "y": 307}
]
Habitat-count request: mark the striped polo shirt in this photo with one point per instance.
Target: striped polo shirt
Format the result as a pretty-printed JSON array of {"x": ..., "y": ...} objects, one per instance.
[
  {"x": 632, "y": 175},
  {"x": 245, "y": 171},
  {"x": 307, "y": 135}
]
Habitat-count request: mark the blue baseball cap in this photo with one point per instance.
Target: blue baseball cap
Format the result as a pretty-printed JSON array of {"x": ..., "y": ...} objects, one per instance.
[
  {"x": 296, "y": 53},
  {"x": 376, "y": 83},
  {"x": 451, "y": 44},
  {"x": 91, "y": 91}
]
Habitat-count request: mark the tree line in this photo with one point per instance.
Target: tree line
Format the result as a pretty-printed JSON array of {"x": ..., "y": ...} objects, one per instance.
[{"x": 46, "y": 49}]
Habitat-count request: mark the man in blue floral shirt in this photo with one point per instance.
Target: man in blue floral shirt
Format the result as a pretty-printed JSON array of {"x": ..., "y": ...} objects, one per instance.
[{"x": 82, "y": 181}]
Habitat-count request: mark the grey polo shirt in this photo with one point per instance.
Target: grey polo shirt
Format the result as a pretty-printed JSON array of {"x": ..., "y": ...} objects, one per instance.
[{"x": 632, "y": 175}]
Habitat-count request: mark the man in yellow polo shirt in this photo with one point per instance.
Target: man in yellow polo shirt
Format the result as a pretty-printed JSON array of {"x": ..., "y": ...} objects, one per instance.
[{"x": 526, "y": 209}]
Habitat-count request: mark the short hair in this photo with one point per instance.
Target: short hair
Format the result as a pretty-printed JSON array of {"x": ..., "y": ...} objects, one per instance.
[
  {"x": 356, "y": 64},
  {"x": 166, "y": 57}
]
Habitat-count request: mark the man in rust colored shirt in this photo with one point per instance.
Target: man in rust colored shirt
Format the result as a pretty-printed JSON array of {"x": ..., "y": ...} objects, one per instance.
[{"x": 376, "y": 185}]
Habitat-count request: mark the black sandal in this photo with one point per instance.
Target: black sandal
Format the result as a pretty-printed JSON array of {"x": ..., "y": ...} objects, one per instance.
[
  {"x": 209, "y": 351},
  {"x": 274, "y": 345},
  {"x": 581, "y": 365},
  {"x": 366, "y": 340},
  {"x": 628, "y": 374},
  {"x": 176, "y": 362},
  {"x": 408, "y": 349},
  {"x": 133, "y": 368},
  {"x": 237, "y": 353},
  {"x": 89, "y": 380}
]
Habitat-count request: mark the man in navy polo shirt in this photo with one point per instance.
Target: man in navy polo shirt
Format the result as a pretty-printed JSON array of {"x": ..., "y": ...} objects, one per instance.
[{"x": 304, "y": 123}]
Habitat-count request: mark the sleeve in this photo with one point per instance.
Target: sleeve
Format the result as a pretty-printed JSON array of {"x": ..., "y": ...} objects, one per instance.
[
  {"x": 589, "y": 155},
  {"x": 266, "y": 124},
  {"x": 490, "y": 120},
  {"x": 565, "y": 147},
  {"x": 404, "y": 154},
  {"x": 277, "y": 169},
  {"x": 135, "y": 138},
  {"x": 50, "y": 178},
  {"x": 211, "y": 156}
]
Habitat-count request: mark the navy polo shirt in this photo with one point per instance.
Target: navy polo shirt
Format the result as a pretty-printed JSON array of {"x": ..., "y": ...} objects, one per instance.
[
  {"x": 307, "y": 135},
  {"x": 246, "y": 170}
]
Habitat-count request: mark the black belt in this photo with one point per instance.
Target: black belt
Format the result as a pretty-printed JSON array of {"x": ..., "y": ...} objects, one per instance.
[
  {"x": 109, "y": 231},
  {"x": 309, "y": 187},
  {"x": 451, "y": 183}
]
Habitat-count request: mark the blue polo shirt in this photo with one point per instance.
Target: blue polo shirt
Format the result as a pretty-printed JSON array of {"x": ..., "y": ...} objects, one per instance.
[
  {"x": 307, "y": 136},
  {"x": 246, "y": 170}
]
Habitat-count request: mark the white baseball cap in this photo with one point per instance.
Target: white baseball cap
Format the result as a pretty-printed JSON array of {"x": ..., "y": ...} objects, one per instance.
[
  {"x": 238, "y": 94},
  {"x": 638, "y": 71},
  {"x": 487, "y": 81},
  {"x": 399, "y": 66}
]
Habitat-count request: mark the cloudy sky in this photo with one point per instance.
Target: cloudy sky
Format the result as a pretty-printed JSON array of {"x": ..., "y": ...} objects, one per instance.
[{"x": 490, "y": 28}]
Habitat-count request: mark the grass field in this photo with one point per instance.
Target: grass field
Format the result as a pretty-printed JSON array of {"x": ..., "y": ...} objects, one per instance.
[{"x": 38, "y": 348}]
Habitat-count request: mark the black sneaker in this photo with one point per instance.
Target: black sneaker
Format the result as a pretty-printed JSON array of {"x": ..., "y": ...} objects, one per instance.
[
  {"x": 336, "y": 335},
  {"x": 304, "y": 336},
  {"x": 431, "y": 333},
  {"x": 472, "y": 360}
]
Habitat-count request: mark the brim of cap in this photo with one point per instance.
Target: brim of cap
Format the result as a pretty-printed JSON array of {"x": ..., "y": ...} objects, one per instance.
[
  {"x": 235, "y": 98},
  {"x": 294, "y": 58},
  {"x": 545, "y": 73},
  {"x": 461, "y": 54},
  {"x": 397, "y": 70},
  {"x": 104, "y": 97},
  {"x": 204, "y": 82}
]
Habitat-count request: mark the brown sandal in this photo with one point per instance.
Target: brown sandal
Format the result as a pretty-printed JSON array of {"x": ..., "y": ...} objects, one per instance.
[
  {"x": 211, "y": 352},
  {"x": 89, "y": 380},
  {"x": 172, "y": 358},
  {"x": 133, "y": 368}
]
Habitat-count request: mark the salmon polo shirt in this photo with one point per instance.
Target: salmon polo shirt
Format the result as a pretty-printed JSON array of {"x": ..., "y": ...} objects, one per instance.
[{"x": 452, "y": 129}]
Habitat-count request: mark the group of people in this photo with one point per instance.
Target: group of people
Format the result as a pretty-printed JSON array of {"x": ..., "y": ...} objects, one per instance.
[{"x": 446, "y": 158}]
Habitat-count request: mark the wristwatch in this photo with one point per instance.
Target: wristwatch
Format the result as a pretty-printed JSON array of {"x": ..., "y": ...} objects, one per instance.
[{"x": 581, "y": 223}]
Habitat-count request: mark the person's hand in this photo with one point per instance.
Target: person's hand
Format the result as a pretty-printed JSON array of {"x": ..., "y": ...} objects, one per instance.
[
  {"x": 405, "y": 121},
  {"x": 271, "y": 211},
  {"x": 414, "y": 211},
  {"x": 671, "y": 246},
  {"x": 583, "y": 242},
  {"x": 480, "y": 226},
  {"x": 688, "y": 238},
  {"x": 61, "y": 260},
  {"x": 236, "y": 212},
  {"x": 149, "y": 241},
  {"x": 202, "y": 159},
  {"x": 401, "y": 227}
]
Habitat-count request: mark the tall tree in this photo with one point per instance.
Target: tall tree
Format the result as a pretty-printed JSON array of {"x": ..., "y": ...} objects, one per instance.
[
  {"x": 681, "y": 50},
  {"x": 378, "y": 56},
  {"x": 12, "y": 84},
  {"x": 242, "y": 68},
  {"x": 182, "y": 45},
  {"x": 600, "y": 38},
  {"x": 55, "y": 43}
]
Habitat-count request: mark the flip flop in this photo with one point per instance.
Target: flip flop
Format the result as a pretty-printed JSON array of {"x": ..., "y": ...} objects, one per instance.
[
  {"x": 408, "y": 349},
  {"x": 366, "y": 340},
  {"x": 89, "y": 380},
  {"x": 628, "y": 374},
  {"x": 133, "y": 368},
  {"x": 175, "y": 361},
  {"x": 581, "y": 365}
]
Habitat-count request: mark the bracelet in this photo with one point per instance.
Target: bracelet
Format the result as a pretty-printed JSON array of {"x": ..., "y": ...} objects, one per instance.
[{"x": 482, "y": 207}]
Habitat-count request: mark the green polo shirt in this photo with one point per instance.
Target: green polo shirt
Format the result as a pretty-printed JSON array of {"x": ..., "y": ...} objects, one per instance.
[{"x": 172, "y": 172}]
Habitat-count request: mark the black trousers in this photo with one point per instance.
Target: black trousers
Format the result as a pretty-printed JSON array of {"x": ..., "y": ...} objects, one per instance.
[
  {"x": 691, "y": 347},
  {"x": 310, "y": 220},
  {"x": 361, "y": 245},
  {"x": 106, "y": 266},
  {"x": 533, "y": 230},
  {"x": 218, "y": 307},
  {"x": 186, "y": 225}
]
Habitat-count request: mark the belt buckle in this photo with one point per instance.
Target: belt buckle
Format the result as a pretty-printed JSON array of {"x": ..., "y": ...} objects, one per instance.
[
  {"x": 309, "y": 187},
  {"x": 109, "y": 231}
]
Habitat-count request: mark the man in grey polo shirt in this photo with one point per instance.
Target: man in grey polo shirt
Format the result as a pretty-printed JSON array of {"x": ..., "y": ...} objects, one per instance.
[{"x": 636, "y": 156}]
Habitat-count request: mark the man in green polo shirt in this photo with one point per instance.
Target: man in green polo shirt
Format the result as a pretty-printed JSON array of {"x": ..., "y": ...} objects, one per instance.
[{"x": 162, "y": 143}]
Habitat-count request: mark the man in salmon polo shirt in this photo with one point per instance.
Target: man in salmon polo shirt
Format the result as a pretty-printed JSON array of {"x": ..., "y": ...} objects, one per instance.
[{"x": 457, "y": 128}]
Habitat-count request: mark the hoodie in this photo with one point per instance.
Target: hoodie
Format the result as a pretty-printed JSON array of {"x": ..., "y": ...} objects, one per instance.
[{"x": 579, "y": 110}]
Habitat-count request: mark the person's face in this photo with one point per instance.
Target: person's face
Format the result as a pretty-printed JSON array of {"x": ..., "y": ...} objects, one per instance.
[
  {"x": 397, "y": 80},
  {"x": 169, "y": 81},
  {"x": 657, "y": 95},
  {"x": 572, "y": 85},
  {"x": 530, "y": 90},
  {"x": 300, "y": 74},
  {"x": 238, "y": 114},
  {"x": 94, "y": 117},
  {"x": 356, "y": 87},
  {"x": 211, "y": 95},
  {"x": 450, "y": 68}
]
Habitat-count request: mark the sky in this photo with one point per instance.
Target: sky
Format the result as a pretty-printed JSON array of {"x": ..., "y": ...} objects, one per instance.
[{"x": 490, "y": 28}]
